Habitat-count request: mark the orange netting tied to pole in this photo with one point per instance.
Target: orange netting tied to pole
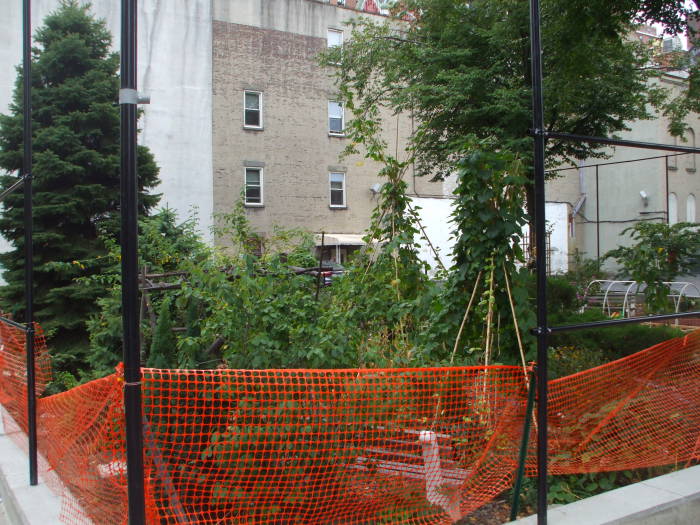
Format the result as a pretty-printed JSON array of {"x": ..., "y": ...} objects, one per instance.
[
  {"x": 361, "y": 446},
  {"x": 13, "y": 376}
]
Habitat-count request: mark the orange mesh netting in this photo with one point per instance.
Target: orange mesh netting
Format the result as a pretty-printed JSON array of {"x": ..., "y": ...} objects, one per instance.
[
  {"x": 639, "y": 411},
  {"x": 359, "y": 446},
  {"x": 13, "y": 375}
]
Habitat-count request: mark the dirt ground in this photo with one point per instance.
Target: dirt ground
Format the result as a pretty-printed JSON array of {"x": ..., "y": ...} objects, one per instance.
[{"x": 493, "y": 513}]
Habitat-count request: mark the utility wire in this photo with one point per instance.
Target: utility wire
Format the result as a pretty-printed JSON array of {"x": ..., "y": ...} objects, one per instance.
[{"x": 616, "y": 162}]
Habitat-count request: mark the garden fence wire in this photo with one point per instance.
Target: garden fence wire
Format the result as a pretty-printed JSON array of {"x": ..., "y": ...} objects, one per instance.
[{"x": 360, "y": 446}]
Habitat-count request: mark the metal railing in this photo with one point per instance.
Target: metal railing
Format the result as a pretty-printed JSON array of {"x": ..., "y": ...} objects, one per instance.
[{"x": 540, "y": 135}]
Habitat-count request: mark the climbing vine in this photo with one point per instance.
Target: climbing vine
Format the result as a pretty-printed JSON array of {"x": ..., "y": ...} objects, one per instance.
[{"x": 489, "y": 217}]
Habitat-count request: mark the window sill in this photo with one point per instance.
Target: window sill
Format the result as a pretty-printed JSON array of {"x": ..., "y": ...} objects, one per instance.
[
  {"x": 337, "y": 135},
  {"x": 251, "y": 205},
  {"x": 337, "y": 207},
  {"x": 253, "y": 128},
  {"x": 690, "y": 170},
  {"x": 673, "y": 168}
]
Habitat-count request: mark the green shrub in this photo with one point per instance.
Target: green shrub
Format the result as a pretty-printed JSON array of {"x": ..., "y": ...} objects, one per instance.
[
  {"x": 564, "y": 489},
  {"x": 614, "y": 341},
  {"x": 582, "y": 271},
  {"x": 562, "y": 295},
  {"x": 567, "y": 360}
]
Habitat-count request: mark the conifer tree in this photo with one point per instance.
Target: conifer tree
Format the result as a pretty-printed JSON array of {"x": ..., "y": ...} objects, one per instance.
[{"x": 76, "y": 174}]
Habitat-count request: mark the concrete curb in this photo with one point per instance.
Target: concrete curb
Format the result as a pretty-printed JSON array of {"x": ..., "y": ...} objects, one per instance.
[
  {"x": 672, "y": 499},
  {"x": 24, "y": 504}
]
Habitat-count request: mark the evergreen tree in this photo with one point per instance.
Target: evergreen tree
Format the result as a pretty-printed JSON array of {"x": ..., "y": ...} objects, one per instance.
[
  {"x": 164, "y": 346},
  {"x": 76, "y": 175}
]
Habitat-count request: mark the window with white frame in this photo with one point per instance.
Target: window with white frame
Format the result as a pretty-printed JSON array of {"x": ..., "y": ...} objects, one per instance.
[
  {"x": 337, "y": 188},
  {"x": 253, "y": 186},
  {"x": 335, "y": 38},
  {"x": 336, "y": 118},
  {"x": 252, "y": 112}
]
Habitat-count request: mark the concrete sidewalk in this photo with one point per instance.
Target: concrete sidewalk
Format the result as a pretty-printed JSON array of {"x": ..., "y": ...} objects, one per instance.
[
  {"x": 23, "y": 504},
  {"x": 673, "y": 499}
]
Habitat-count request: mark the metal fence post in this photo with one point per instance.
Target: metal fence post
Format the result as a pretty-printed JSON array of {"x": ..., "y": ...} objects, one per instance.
[
  {"x": 28, "y": 240},
  {"x": 128, "y": 100},
  {"x": 541, "y": 260}
]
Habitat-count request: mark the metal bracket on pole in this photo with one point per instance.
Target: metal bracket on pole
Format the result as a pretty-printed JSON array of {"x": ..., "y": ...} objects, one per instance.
[{"x": 131, "y": 96}]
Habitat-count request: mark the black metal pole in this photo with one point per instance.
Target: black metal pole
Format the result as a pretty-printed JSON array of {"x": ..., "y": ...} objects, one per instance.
[
  {"x": 627, "y": 320},
  {"x": 597, "y": 215},
  {"x": 28, "y": 240},
  {"x": 614, "y": 163},
  {"x": 320, "y": 264},
  {"x": 668, "y": 216},
  {"x": 10, "y": 322},
  {"x": 128, "y": 99},
  {"x": 520, "y": 474},
  {"x": 541, "y": 258},
  {"x": 620, "y": 142}
]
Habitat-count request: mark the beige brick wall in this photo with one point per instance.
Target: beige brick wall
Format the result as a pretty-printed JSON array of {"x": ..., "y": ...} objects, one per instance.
[
  {"x": 294, "y": 145},
  {"x": 620, "y": 184}
]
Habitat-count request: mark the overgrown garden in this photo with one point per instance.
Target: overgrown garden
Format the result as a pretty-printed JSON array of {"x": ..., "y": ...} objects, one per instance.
[{"x": 462, "y": 70}]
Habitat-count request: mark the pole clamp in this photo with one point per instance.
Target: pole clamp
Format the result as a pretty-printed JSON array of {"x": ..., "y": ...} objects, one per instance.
[
  {"x": 536, "y": 132},
  {"x": 540, "y": 330},
  {"x": 131, "y": 96}
]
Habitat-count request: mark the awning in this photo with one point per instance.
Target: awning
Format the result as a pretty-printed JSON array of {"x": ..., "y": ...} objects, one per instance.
[{"x": 340, "y": 239}]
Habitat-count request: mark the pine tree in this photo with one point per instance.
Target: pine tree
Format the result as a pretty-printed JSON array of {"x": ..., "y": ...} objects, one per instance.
[
  {"x": 164, "y": 346},
  {"x": 76, "y": 175}
]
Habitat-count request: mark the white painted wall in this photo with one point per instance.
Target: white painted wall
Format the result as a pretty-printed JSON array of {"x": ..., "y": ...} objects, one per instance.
[
  {"x": 174, "y": 54},
  {"x": 294, "y": 16},
  {"x": 435, "y": 217},
  {"x": 558, "y": 223}
]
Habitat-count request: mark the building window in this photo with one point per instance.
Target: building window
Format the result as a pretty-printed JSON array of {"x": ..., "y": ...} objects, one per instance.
[
  {"x": 691, "y": 158},
  {"x": 337, "y": 186},
  {"x": 252, "y": 114},
  {"x": 672, "y": 209},
  {"x": 253, "y": 186},
  {"x": 336, "y": 123},
  {"x": 690, "y": 208},
  {"x": 335, "y": 38}
]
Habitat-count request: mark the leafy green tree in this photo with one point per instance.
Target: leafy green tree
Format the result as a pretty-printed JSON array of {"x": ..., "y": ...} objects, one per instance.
[
  {"x": 463, "y": 68},
  {"x": 76, "y": 174},
  {"x": 164, "y": 246}
]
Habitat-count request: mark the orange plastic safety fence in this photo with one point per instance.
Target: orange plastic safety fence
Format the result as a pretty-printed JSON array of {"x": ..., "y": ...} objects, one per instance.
[
  {"x": 640, "y": 411},
  {"x": 13, "y": 375},
  {"x": 324, "y": 446},
  {"x": 359, "y": 446},
  {"x": 81, "y": 436}
]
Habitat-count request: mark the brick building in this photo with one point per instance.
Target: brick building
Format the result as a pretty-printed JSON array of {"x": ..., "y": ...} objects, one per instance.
[{"x": 277, "y": 125}]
